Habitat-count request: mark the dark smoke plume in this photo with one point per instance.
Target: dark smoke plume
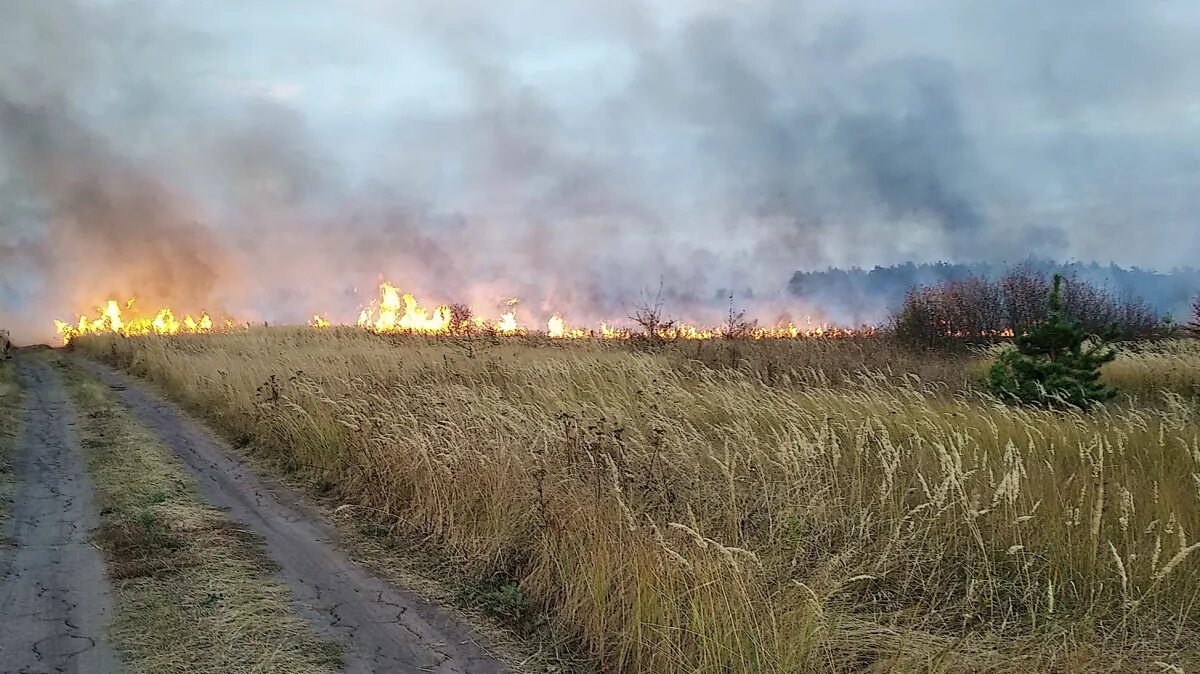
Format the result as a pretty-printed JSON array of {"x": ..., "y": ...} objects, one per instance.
[{"x": 273, "y": 159}]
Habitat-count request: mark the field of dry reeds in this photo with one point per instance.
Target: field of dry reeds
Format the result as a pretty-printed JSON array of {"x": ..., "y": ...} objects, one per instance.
[{"x": 817, "y": 505}]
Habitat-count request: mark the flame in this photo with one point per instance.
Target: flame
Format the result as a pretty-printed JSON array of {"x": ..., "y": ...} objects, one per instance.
[
  {"x": 556, "y": 328},
  {"x": 192, "y": 325},
  {"x": 110, "y": 319},
  {"x": 396, "y": 311},
  {"x": 386, "y": 314},
  {"x": 687, "y": 332},
  {"x": 507, "y": 325},
  {"x": 609, "y": 332}
]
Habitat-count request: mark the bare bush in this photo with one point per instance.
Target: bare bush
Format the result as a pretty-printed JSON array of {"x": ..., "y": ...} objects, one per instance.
[
  {"x": 651, "y": 317},
  {"x": 460, "y": 319},
  {"x": 975, "y": 309},
  {"x": 737, "y": 326}
]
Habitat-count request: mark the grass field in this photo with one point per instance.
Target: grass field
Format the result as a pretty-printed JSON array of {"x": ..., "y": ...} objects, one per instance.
[{"x": 747, "y": 507}]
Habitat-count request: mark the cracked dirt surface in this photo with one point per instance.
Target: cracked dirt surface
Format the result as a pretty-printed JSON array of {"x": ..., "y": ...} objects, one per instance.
[
  {"x": 54, "y": 599},
  {"x": 382, "y": 628}
]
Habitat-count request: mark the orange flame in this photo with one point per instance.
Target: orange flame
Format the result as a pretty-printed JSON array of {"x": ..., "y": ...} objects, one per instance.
[
  {"x": 507, "y": 324},
  {"x": 394, "y": 311},
  {"x": 110, "y": 319},
  {"x": 556, "y": 328}
]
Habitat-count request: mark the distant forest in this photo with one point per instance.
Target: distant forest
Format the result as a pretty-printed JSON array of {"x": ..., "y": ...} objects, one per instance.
[{"x": 861, "y": 296}]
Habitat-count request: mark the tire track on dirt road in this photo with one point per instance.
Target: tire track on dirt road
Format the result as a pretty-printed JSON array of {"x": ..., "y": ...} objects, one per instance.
[
  {"x": 383, "y": 628},
  {"x": 54, "y": 598}
]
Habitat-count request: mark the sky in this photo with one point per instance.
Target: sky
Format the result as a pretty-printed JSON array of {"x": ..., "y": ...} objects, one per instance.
[{"x": 272, "y": 159}]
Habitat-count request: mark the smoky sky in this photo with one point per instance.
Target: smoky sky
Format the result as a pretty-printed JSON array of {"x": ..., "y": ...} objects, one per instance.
[{"x": 273, "y": 159}]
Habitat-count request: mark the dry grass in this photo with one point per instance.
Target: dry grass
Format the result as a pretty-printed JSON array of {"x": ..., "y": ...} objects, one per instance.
[
  {"x": 1146, "y": 370},
  {"x": 677, "y": 517},
  {"x": 826, "y": 362},
  {"x": 11, "y": 421},
  {"x": 193, "y": 591},
  {"x": 1150, "y": 372}
]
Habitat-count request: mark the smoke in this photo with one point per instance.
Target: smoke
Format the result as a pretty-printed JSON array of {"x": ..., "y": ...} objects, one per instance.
[
  {"x": 107, "y": 222},
  {"x": 275, "y": 159}
]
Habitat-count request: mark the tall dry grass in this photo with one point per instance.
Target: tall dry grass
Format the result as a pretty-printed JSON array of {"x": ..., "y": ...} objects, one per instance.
[
  {"x": 823, "y": 362},
  {"x": 1149, "y": 368},
  {"x": 676, "y": 517}
]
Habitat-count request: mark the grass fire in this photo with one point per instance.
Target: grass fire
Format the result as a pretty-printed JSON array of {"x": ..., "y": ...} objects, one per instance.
[
  {"x": 111, "y": 318},
  {"x": 742, "y": 505},
  {"x": 397, "y": 312},
  {"x": 664, "y": 497},
  {"x": 599, "y": 337}
]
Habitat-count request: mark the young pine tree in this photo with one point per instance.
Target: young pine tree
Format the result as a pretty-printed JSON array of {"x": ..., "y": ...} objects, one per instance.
[
  {"x": 1053, "y": 364},
  {"x": 1193, "y": 325}
]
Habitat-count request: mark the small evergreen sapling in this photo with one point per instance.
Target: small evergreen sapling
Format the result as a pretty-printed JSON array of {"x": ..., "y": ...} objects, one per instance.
[{"x": 1053, "y": 364}]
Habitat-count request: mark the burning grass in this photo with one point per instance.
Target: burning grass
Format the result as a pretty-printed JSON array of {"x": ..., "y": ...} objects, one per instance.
[
  {"x": 395, "y": 312},
  {"x": 769, "y": 509}
]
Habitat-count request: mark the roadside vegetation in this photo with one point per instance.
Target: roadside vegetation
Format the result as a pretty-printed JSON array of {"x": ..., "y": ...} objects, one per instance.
[
  {"x": 10, "y": 430},
  {"x": 741, "y": 506},
  {"x": 193, "y": 591}
]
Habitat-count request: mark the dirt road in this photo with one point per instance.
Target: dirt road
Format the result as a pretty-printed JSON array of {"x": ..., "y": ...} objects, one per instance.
[
  {"x": 383, "y": 628},
  {"x": 54, "y": 596},
  {"x": 54, "y": 603}
]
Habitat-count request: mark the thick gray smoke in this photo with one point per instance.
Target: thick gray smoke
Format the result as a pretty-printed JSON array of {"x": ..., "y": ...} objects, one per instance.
[{"x": 273, "y": 159}]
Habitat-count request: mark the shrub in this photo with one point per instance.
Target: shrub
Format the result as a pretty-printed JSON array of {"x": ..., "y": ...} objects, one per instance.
[
  {"x": 971, "y": 308},
  {"x": 1193, "y": 326},
  {"x": 1053, "y": 363},
  {"x": 737, "y": 326},
  {"x": 460, "y": 319},
  {"x": 651, "y": 317},
  {"x": 977, "y": 309}
]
